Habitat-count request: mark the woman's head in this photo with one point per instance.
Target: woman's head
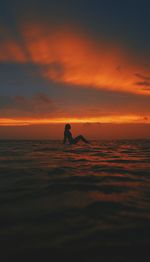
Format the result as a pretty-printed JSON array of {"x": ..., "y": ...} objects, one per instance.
[{"x": 67, "y": 126}]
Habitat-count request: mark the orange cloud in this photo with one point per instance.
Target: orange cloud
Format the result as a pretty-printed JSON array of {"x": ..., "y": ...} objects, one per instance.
[
  {"x": 69, "y": 57},
  {"x": 73, "y": 58}
]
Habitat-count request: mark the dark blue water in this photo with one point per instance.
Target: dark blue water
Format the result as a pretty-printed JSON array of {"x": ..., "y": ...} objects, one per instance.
[{"x": 73, "y": 197}]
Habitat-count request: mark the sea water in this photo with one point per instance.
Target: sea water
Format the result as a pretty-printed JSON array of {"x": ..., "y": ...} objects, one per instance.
[{"x": 73, "y": 197}]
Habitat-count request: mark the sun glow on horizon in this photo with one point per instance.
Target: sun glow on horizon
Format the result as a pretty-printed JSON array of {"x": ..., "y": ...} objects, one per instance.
[{"x": 99, "y": 120}]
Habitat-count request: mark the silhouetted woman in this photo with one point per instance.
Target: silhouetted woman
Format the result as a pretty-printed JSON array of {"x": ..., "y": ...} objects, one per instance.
[{"x": 68, "y": 136}]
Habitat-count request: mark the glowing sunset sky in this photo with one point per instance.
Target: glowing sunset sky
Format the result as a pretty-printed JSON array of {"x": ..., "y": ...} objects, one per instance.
[{"x": 83, "y": 62}]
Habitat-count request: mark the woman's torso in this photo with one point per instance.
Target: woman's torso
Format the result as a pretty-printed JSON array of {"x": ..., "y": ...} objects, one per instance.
[{"x": 68, "y": 135}]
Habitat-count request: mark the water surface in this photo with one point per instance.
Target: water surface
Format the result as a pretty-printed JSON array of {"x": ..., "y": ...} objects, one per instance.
[{"x": 74, "y": 197}]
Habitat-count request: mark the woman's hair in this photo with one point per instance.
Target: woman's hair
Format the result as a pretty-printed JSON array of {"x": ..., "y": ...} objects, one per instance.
[{"x": 67, "y": 126}]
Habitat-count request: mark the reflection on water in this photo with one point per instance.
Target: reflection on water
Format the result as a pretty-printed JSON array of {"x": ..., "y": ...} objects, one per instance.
[{"x": 74, "y": 196}]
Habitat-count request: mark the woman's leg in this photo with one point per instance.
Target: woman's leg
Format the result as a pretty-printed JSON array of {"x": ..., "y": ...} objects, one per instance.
[{"x": 80, "y": 138}]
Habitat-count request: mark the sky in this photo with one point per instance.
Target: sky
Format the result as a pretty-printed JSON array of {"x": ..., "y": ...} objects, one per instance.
[{"x": 81, "y": 62}]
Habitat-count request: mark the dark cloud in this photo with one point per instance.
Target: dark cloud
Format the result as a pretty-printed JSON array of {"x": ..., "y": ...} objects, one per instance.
[
  {"x": 38, "y": 105},
  {"x": 143, "y": 83},
  {"x": 43, "y": 99},
  {"x": 39, "y": 101},
  {"x": 145, "y": 78}
]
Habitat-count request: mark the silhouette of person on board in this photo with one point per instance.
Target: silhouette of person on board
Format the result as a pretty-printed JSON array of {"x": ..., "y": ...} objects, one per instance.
[{"x": 68, "y": 136}]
